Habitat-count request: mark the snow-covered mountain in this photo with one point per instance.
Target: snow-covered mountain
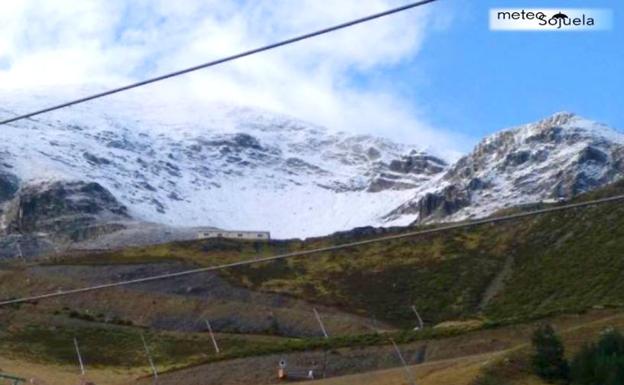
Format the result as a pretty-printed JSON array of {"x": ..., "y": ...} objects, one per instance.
[
  {"x": 94, "y": 168},
  {"x": 555, "y": 158},
  {"x": 221, "y": 165}
]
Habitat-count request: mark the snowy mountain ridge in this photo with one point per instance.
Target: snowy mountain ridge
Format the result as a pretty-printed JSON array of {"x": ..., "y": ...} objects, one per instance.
[
  {"x": 556, "y": 158},
  {"x": 224, "y": 166},
  {"x": 241, "y": 168}
]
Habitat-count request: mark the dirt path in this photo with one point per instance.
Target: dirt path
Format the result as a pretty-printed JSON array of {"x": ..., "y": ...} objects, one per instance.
[
  {"x": 455, "y": 371},
  {"x": 462, "y": 370},
  {"x": 47, "y": 374}
]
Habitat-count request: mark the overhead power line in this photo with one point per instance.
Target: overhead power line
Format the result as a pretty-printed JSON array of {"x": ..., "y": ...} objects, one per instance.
[
  {"x": 223, "y": 60},
  {"x": 314, "y": 251}
]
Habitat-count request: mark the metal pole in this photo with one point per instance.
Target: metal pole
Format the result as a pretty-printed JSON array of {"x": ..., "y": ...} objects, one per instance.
[
  {"x": 214, "y": 340},
  {"x": 149, "y": 358},
  {"x": 82, "y": 368},
  {"x": 408, "y": 373},
  {"x": 320, "y": 321},
  {"x": 19, "y": 251},
  {"x": 420, "y": 321}
]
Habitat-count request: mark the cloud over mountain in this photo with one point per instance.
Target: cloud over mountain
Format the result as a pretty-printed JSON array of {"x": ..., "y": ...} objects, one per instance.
[{"x": 113, "y": 42}]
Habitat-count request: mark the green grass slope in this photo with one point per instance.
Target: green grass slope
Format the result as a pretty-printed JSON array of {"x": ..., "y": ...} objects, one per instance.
[
  {"x": 556, "y": 262},
  {"x": 505, "y": 273}
]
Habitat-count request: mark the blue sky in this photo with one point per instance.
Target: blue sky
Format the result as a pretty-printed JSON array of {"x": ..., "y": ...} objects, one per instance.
[
  {"x": 476, "y": 81},
  {"x": 435, "y": 76}
]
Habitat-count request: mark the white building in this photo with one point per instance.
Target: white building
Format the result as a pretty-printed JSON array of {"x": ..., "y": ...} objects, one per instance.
[{"x": 235, "y": 234}]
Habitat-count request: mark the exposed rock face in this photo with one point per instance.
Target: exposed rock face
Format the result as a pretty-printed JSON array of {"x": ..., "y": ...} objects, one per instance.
[
  {"x": 418, "y": 163},
  {"x": 442, "y": 204},
  {"x": 9, "y": 184},
  {"x": 64, "y": 210},
  {"x": 408, "y": 172},
  {"x": 558, "y": 157}
]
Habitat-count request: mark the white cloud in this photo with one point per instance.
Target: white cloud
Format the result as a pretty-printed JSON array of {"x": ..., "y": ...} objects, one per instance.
[{"x": 110, "y": 42}]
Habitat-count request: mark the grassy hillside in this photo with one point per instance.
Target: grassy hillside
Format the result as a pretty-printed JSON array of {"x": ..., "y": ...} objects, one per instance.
[
  {"x": 509, "y": 366},
  {"x": 500, "y": 274},
  {"x": 555, "y": 262},
  {"x": 500, "y": 352},
  {"x": 514, "y": 366}
]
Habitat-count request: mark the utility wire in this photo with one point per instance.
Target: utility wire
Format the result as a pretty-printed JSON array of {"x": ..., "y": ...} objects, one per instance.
[
  {"x": 223, "y": 60},
  {"x": 314, "y": 251}
]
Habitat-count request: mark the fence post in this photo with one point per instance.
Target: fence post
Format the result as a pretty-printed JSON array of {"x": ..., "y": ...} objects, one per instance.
[
  {"x": 149, "y": 358},
  {"x": 214, "y": 340},
  {"x": 320, "y": 321},
  {"x": 408, "y": 373},
  {"x": 420, "y": 321},
  {"x": 82, "y": 368}
]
